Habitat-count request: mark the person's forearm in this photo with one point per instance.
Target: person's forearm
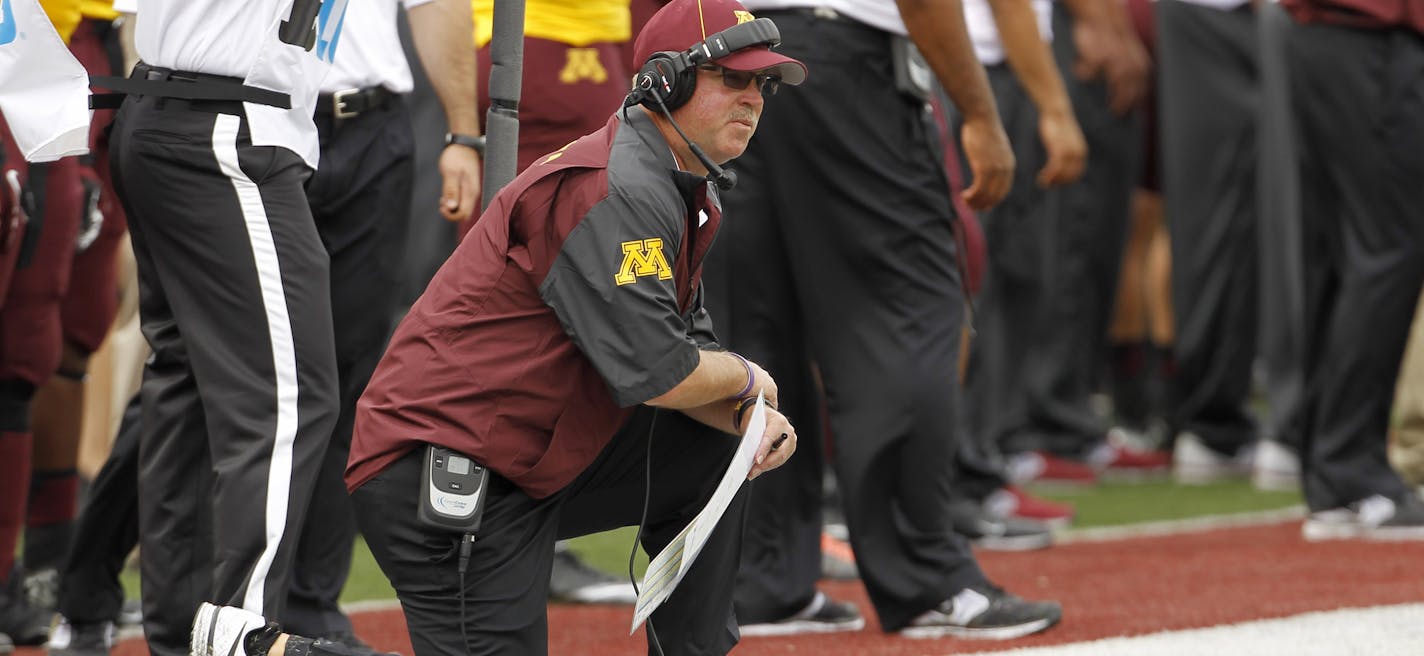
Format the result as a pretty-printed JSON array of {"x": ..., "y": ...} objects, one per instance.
[
  {"x": 718, "y": 415},
  {"x": 443, "y": 32},
  {"x": 719, "y": 376},
  {"x": 937, "y": 28},
  {"x": 1087, "y": 10},
  {"x": 1029, "y": 56},
  {"x": 1115, "y": 13}
]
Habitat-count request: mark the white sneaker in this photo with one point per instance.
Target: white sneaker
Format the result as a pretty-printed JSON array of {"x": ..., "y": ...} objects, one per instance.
[
  {"x": 1374, "y": 518},
  {"x": 1333, "y": 524},
  {"x": 822, "y": 615},
  {"x": 1276, "y": 467},
  {"x": 83, "y": 639},
  {"x": 220, "y": 630},
  {"x": 986, "y": 613},
  {"x": 1195, "y": 463}
]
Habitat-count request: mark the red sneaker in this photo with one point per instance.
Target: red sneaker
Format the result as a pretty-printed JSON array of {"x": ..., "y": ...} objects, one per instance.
[
  {"x": 1119, "y": 461},
  {"x": 1043, "y": 467},
  {"x": 1013, "y": 501}
]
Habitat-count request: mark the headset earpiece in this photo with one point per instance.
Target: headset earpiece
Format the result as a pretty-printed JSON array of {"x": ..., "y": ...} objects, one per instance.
[
  {"x": 672, "y": 76},
  {"x": 668, "y": 76}
]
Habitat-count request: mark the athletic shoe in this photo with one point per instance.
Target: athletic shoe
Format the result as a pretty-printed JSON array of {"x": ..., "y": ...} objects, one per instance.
[
  {"x": 994, "y": 533},
  {"x": 230, "y": 631},
  {"x": 1276, "y": 467},
  {"x": 985, "y": 613},
  {"x": 1115, "y": 458},
  {"x": 837, "y": 559},
  {"x": 1375, "y": 518},
  {"x": 353, "y": 645},
  {"x": 130, "y": 614},
  {"x": 25, "y": 624},
  {"x": 42, "y": 588},
  {"x": 82, "y": 639},
  {"x": 1014, "y": 501},
  {"x": 574, "y": 581},
  {"x": 822, "y": 615},
  {"x": 6, "y": 645},
  {"x": 1195, "y": 463},
  {"x": 1040, "y": 467}
]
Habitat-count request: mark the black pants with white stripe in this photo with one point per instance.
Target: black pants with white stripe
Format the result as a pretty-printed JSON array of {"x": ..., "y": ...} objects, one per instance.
[{"x": 239, "y": 397}]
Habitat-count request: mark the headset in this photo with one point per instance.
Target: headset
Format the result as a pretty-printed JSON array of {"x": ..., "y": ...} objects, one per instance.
[{"x": 668, "y": 79}]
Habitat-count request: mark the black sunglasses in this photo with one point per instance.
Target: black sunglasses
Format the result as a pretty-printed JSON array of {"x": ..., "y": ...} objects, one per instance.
[{"x": 768, "y": 83}]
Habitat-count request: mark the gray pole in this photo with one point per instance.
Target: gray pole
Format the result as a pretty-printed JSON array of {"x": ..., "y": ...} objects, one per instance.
[{"x": 502, "y": 121}]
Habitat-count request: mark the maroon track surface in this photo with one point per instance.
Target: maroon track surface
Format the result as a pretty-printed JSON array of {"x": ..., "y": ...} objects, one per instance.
[{"x": 1124, "y": 587}]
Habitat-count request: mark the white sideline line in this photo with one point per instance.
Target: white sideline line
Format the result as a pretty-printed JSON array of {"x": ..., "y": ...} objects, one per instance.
[
  {"x": 1070, "y": 536},
  {"x": 370, "y": 606},
  {"x": 1376, "y": 631},
  {"x": 1179, "y": 526},
  {"x": 135, "y": 632}
]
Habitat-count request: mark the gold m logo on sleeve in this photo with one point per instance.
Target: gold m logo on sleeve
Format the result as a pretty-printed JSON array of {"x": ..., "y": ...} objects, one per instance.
[
  {"x": 743, "y": 17},
  {"x": 642, "y": 257},
  {"x": 583, "y": 64}
]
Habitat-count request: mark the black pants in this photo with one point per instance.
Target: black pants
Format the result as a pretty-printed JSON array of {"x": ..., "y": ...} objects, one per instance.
[
  {"x": 1284, "y": 274},
  {"x": 506, "y": 587},
  {"x": 1009, "y": 324},
  {"x": 1084, "y": 252},
  {"x": 105, "y": 532},
  {"x": 239, "y": 397},
  {"x": 1360, "y": 180},
  {"x": 359, "y": 197},
  {"x": 850, "y": 255},
  {"x": 1209, "y": 92}
]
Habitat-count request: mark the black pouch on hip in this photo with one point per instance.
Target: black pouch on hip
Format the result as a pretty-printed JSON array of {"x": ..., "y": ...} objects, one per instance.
[{"x": 913, "y": 76}]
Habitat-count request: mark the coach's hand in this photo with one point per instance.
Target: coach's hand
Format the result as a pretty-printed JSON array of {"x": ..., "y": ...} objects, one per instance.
[
  {"x": 460, "y": 170},
  {"x": 778, "y": 442}
]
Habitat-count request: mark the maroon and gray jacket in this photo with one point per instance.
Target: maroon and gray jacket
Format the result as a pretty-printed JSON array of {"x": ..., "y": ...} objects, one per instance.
[{"x": 575, "y": 297}]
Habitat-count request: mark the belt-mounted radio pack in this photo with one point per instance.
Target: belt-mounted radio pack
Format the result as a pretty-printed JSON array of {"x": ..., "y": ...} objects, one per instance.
[{"x": 453, "y": 488}]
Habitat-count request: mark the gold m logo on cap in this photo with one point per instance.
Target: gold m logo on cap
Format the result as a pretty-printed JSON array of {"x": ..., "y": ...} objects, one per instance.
[
  {"x": 743, "y": 16},
  {"x": 642, "y": 257}
]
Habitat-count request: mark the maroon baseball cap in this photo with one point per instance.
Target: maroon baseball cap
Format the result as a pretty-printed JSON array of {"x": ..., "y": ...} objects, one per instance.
[{"x": 681, "y": 24}]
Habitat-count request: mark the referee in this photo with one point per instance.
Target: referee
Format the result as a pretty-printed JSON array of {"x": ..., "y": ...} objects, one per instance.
[{"x": 210, "y": 154}]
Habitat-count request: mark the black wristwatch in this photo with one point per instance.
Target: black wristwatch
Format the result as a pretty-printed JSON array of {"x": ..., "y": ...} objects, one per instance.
[{"x": 478, "y": 143}]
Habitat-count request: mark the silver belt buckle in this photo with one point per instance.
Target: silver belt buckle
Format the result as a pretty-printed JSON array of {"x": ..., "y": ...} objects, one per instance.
[{"x": 338, "y": 103}]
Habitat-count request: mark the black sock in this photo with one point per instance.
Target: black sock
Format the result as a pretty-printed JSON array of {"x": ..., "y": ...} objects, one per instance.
[
  {"x": 298, "y": 646},
  {"x": 258, "y": 641}
]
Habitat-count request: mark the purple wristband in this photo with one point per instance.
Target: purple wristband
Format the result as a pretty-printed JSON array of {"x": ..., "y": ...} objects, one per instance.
[{"x": 751, "y": 379}]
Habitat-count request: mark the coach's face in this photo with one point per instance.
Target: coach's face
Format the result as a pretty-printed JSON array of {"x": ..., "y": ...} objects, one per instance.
[{"x": 720, "y": 117}]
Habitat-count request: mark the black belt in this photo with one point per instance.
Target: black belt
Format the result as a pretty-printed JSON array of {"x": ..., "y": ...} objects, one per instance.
[
  {"x": 184, "y": 85},
  {"x": 350, "y": 102}
]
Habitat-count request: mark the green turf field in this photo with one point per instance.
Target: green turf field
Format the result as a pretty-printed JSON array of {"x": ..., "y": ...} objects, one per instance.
[{"x": 1107, "y": 504}]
